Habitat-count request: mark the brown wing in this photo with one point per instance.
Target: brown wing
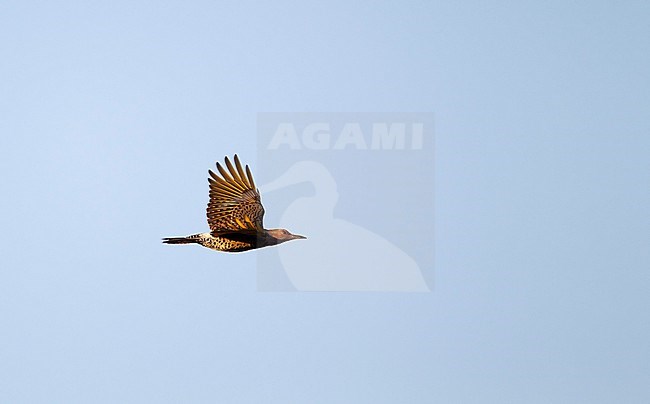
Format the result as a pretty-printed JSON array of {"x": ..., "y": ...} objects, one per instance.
[{"x": 235, "y": 203}]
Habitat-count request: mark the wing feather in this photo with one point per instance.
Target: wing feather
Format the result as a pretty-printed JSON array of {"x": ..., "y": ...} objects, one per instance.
[
  {"x": 235, "y": 203},
  {"x": 250, "y": 178}
]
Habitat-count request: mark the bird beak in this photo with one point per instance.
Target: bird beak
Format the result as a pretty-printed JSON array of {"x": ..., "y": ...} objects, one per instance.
[{"x": 297, "y": 236}]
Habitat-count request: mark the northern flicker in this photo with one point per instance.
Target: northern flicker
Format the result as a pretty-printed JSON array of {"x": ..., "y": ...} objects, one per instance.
[{"x": 235, "y": 214}]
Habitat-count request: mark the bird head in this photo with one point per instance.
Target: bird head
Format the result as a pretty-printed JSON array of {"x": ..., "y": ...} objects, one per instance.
[{"x": 282, "y": 235}]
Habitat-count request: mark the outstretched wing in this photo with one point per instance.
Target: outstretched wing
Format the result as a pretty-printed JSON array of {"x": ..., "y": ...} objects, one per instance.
[{"x": 235, "y": 203}]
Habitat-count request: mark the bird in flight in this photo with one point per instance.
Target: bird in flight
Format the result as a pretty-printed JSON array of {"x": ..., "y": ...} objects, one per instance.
[{"x": 235, "y": 214}]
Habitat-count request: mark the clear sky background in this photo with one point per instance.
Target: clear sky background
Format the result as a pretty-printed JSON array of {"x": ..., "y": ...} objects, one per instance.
[{"x": 111, "y": 114}]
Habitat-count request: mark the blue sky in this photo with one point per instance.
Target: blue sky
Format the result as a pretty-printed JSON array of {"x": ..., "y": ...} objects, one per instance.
[{"x": 112, "y": 113}]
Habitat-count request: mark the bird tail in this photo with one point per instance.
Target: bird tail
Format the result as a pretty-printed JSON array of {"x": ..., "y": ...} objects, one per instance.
[{"x": 193, "y": 239}]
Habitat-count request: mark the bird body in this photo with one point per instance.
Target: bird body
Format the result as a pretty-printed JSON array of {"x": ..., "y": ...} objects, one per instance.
[
  {"x": 215, "y": 243},
  {"x": 235, "y": 214}
]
